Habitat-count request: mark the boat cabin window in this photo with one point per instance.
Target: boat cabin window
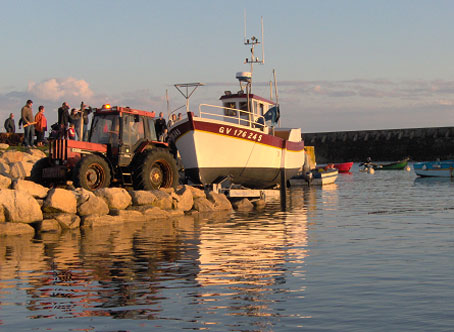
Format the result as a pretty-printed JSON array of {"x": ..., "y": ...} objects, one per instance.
[
  {"x": 230, "y": 112},
  {"x": 243, "y": 105},
  {"x": 262, "y": 109}
]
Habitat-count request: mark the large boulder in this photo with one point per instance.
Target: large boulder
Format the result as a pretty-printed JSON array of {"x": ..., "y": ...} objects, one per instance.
[
  {"x": 197, "y": 193},
  {"x": 259, "y": 204},
  {"x": 142, "y": 197},
  {"x": 5, "y": 182},
  {"x": 184, "y": 199},
  {"x": 116, "y": 198},
  {"x": 12, "y": 156},
  {"x": 155, "y": 212},
  {"x": 20, "y": 169},
  {"x": 243, "y": 205},
  {"x": 34, "y": 189},
  {"x": 19, "y": 207},
  {"x": 107, "y": 220},
  {"x": 88, "y": 204},
  {"x": 163, "y": 200},
  {"x": 34, "y": 155},
  {"x": 220, "y": 201},
  {"x": 68, "y": 221},
  {"x": 50, "y": 225},
  {"x": 128, "y": 215},
  {"x": 4, "y": 168},
  {"x": 2, "y": 214},
  {"x": 201, "y": 204},
  {"x": 16, "y": 229},
  {"x": 60, "y": 200}
]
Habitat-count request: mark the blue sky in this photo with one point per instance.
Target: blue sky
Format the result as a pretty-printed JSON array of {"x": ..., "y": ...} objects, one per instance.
[{"x": 341, "y": 65}]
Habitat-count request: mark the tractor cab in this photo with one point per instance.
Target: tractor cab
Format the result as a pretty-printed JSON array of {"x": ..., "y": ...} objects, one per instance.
[{"x": 123, "y": 130}]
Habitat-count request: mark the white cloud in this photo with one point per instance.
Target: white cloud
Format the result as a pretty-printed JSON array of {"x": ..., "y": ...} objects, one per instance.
[{"x": 57, "y": 89}]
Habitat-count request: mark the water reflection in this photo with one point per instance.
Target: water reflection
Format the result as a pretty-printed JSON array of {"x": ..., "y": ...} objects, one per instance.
[{"x": 149, "y": 270}]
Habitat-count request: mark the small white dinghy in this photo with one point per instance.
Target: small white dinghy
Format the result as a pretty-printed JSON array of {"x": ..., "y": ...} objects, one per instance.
[{"x": 316, "y": 177}]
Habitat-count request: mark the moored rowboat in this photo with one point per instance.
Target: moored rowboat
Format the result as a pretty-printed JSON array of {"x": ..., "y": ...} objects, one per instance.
[
  {"x": 341, "y": 167},
  {"x": 317, "y": 177},
  {"x": 444, "y": 169},
  {"x": 397, "y": 165}
]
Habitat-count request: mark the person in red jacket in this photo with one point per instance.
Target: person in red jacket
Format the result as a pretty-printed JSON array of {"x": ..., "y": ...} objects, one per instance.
[
  {"x": 71, "y": 131},
  {"x": 40, "y": 126}
]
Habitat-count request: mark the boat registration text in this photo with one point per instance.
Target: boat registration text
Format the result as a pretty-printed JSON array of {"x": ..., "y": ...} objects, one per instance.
[{"x": 250, "y": 135}]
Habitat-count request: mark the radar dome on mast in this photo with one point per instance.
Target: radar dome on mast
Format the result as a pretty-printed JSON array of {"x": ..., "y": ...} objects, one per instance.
[{"x": 244, "y": 76}]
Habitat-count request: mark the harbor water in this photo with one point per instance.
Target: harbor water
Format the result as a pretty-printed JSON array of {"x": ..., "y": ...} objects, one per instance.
[{"x": 373, "y": 252}]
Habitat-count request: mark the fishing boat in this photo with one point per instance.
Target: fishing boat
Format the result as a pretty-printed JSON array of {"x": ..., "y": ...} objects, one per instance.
[
  {"x": 316, "y": 177},
  {"x": 341, "y": 167},
  {"x": 397, "y": 165},
  {"x": 240, "y": 140},
  {"x": 444, "y": 169}
]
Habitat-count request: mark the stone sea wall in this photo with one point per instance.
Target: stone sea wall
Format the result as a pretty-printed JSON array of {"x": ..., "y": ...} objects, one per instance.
[
  {"x": 385, "y": 145},
  {"x": 27, "y": 207}
]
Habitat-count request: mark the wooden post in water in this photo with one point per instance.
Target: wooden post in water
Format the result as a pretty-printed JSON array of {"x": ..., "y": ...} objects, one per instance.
[
  {"x": 283, "y": 190},
  {"x": 283, "y": 184}
]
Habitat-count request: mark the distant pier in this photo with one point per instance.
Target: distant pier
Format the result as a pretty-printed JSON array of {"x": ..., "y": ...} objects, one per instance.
[{"x": 383, "y": 145}]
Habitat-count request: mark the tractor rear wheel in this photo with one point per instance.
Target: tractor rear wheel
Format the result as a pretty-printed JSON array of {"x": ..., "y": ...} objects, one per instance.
[
  {"x": 155, "y": 169},
  {"x": 37, "y": 171},
  {"x": 92, "y": 172}
]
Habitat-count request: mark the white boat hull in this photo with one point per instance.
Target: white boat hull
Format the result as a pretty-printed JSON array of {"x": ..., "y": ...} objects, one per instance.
[
  {"x": 213, "y": 149},
  {"x": 319, "y": 179}
]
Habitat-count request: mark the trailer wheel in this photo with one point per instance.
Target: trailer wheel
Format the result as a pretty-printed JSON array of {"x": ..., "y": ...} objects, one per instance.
[
  {"x": 92, "y": 172},
  {"x": 155, "y": 169},
  {"x": 37, "y": 172}
]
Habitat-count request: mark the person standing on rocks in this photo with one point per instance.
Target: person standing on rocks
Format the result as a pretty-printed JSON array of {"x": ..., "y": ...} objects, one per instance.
[
  {"x": 27, "y": 120},
  {"x": 10, "y": 126},
  {"x": 40, "y": 126}
]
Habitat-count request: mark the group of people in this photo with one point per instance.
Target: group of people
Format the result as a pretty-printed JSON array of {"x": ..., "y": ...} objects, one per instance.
[
  {"x": 69, "y": 125},
  {"x": 161, "y": 126},
  {"x": 33, "y": 125},
  {"x": 74, "y": 124}
]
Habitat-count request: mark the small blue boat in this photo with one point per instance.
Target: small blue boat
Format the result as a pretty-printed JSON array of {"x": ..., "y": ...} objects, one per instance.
[{"x": 442, "y": 169}]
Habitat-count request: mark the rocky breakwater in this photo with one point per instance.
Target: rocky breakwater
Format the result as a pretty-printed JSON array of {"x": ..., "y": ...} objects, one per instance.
[{"x": 27, "y": 207}]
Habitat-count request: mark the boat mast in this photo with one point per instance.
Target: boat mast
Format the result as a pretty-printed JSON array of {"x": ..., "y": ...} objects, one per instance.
[{"x": 252, "y": 42}]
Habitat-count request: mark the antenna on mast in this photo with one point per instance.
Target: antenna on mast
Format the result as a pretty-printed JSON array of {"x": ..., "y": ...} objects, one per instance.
[
  {"x": 263, "y": 41},
  {"x": 244, "y": 25}
]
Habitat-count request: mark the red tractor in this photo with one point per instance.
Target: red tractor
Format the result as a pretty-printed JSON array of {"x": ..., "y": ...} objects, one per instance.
[{"x": 122, "y": 149}]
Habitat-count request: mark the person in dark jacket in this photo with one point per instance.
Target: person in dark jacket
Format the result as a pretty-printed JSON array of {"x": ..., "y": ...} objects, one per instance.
[
  {"x": 63, "y": 119},
  {"x": 28, "y": 122},
  {"x": 63, "y": 115},
  {"x": 10, "y": 126},
  {"x": 160, "y": 127}
]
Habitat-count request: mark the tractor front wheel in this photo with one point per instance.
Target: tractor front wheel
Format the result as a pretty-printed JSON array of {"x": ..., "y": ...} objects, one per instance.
[
  {"x": 92, "y": 172},
  {"x": 155, "y": 169}
]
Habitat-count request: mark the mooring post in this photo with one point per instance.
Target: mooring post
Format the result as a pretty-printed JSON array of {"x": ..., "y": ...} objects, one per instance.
[{"x": 283, "y": 190}]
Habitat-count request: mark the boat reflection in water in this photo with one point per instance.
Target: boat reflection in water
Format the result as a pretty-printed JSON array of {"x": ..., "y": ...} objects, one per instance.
[{"x": 173, "y": 269}]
